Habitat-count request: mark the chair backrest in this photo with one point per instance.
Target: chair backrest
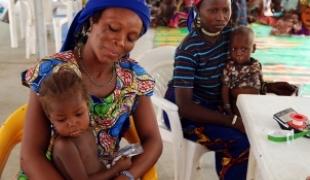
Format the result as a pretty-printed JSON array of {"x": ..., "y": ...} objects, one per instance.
[
  {"x": 174, "y": 135},
  {"x": 11, "y": 132},
  {"x": 159, "y": 63}
]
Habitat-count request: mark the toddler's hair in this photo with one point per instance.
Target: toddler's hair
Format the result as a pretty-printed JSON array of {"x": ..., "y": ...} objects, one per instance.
[
  {"x": 63, "y": 84},
  {"x": 242, "y": 30}
]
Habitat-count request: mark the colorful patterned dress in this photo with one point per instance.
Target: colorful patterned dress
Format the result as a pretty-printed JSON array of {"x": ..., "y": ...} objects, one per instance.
[
  {"x": 245, "y": 75},
  {"x": 110, "y": 114}
]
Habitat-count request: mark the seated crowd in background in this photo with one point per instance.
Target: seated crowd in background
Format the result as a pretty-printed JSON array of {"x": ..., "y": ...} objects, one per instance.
[{"x": 286, "y": 17}]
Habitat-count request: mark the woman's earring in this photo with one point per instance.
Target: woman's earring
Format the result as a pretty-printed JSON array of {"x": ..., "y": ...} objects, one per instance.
[
  {"x": 89, "y": 29},
  {"x": 84, "y": 35},
  {"x": 198, "y": 22}
]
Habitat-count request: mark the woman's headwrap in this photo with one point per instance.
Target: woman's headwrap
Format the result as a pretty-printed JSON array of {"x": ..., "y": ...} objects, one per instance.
[
  {"x": 193, "y": 14},
  {"x": 140, "y": 7}
]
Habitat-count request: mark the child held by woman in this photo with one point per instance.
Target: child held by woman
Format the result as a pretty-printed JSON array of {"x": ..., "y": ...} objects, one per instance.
[
  {"x": 74, "y": 151},
  {"x": 242, "y": 71}
]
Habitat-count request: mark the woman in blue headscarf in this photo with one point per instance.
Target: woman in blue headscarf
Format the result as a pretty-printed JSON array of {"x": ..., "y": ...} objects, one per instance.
[{"x": 98, "y": 42}]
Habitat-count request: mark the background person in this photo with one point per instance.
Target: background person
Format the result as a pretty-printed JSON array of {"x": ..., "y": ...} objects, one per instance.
[{"x": 196, "y": 88}]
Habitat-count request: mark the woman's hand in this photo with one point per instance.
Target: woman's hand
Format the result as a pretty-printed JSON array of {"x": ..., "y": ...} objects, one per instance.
[
  {"x": 147, "y": 129},
  {"x": 123, "y": 164},
  {"x": 121, "y": 177},
  {"x": 239, "y": 125}
]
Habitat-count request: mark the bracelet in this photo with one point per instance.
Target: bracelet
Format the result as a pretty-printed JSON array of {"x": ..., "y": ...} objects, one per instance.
[
  {"x": 263, "y": 89},
  {"x": 227, "y": 106},
  {"x": 234, "y": 120},
  {"x": 127, "y": 174}
]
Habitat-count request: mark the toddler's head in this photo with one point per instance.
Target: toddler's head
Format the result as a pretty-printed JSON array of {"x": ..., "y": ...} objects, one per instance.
[
  {"x": 65, "y": 101},
  {"x": 242, "y": 44}
]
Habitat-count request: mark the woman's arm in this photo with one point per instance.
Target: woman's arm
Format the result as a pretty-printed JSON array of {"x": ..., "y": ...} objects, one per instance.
[
  {"x": 35, "y": 143},
  {"x": 243, "y": 90},
  {"x": 279, "y": 88},
  {"x": 147, "y": 128},
  {"x": 226, "y": 99},
  {"x": 190, "y": 110}
]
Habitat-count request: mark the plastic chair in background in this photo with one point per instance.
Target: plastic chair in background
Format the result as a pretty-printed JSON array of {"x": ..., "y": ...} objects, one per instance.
[
  {"x": 30, "y": 30},
  {"x": 58, "y": 23},
  {"x": 159, "y": 63},
  {"x": 24, "y": 10},
  {"x": 62, "y": 20},
  {"x": 12, "y": 24},
  {"x": 60, "y": 28},
  {"x": 11, "y": 132}
]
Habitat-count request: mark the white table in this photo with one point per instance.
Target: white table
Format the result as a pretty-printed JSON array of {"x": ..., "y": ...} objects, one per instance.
[{"x": 271, "y": 160}]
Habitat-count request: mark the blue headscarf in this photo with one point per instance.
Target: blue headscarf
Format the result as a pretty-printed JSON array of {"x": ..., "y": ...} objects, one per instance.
[
  {"x": 140, "y": 7},
  {"x": 192, "y": 15}
]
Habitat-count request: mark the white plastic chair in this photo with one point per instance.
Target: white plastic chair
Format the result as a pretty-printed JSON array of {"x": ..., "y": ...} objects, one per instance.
[
  {"x": 174, "y": 136},
  {"x": 159, "y": 63},
  {"x": 60, "y": 27},
  {"x": 62, "y": 21},
  {"x": 30, "y": 30},
  {"x": 25, "y": 10},
  {"x": 12, "y": 24}
]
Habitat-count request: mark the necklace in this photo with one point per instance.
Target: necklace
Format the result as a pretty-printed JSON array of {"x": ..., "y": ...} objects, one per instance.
[
  {"x": 93, "y": 81},
  {"x": 209, "y": 33}
]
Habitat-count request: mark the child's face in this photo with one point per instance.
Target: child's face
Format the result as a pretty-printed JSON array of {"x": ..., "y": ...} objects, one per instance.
[
  {"x": 241, "y": 48},
  {"x": 69, "y": 116}
]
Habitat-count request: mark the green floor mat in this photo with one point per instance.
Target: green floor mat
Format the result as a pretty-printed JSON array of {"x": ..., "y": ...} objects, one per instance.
[
  {"x": 165, "y": 36},
  {"x": 284, "y": 58}
]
